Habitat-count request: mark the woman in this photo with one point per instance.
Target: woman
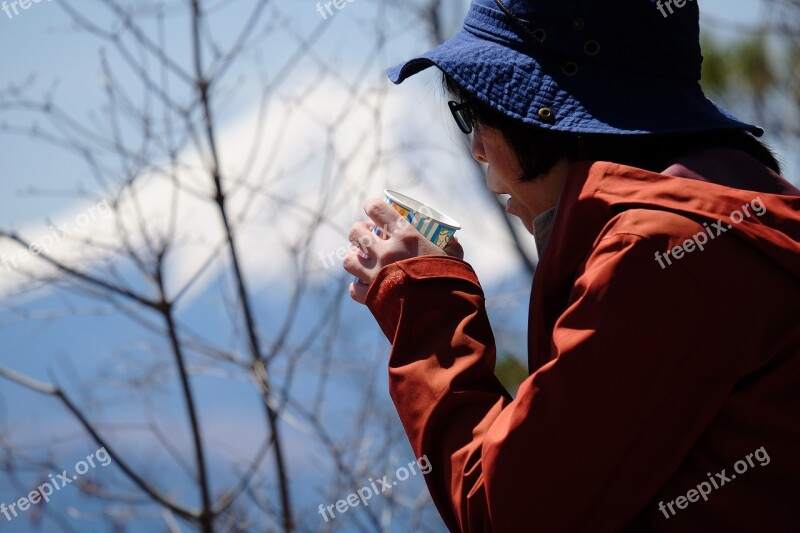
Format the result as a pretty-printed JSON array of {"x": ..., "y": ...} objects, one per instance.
[{"x": 664, "y": 343}]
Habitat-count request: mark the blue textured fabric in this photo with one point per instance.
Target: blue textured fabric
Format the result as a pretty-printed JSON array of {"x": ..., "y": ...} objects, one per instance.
[{"x": 611, "y": 66}]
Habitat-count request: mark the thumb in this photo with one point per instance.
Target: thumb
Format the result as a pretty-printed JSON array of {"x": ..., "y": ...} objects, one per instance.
[{"x": 454, "y": 248}]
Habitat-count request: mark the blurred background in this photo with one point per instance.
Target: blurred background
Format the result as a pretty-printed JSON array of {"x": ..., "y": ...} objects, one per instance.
[{"x": 187, "y": 172}]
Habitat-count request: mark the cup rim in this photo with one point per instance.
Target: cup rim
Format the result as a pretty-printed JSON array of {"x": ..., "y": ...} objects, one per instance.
[{"x": 416, "y": 206}]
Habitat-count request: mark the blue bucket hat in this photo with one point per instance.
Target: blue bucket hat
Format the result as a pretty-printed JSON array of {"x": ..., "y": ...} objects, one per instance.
[{"x": 583, "y": 66}]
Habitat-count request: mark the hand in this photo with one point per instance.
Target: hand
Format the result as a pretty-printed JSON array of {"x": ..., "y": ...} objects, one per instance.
[{"x": 399, "y": 240}]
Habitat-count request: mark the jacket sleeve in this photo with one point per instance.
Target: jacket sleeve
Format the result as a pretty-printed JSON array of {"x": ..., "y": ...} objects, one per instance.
[
  {"x": 594, "y": 433},
  {"x": 441, "y": 373}
]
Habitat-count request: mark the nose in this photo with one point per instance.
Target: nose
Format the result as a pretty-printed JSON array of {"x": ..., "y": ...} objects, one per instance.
[{"x": 476, "y": 148}]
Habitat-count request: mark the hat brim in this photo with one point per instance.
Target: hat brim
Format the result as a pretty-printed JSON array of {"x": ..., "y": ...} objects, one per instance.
[{"x": 596, "y": 100}]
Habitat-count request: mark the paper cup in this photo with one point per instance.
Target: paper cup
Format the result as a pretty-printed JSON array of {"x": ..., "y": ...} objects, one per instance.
[{"x": 434, "y": 225}]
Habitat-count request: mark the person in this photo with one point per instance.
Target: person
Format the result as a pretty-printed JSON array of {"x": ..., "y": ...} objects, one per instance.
[{"x": 664, "y": 343}]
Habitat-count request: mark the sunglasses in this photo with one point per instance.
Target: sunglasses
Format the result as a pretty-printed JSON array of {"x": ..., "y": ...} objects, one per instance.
[{"x": 462, "y": 115}]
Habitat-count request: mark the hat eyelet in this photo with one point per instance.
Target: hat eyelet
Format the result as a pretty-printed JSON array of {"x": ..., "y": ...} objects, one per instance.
[
  {"x": 578, "y": 24},
  {"x": 547, "y": 115},
  {"x": 570, "y": 68},
  {"x": 591, "y": 48},
  {"x": 540, "y": 35}
]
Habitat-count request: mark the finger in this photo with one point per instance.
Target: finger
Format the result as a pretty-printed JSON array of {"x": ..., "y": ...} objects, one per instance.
[
  {"x": 359, "y": 291},
  {"x": 356, "y": 264},
  {"x": 454, "y": 248},
  {"x": 362, "y": 237},
  {"x": 384, "y": 216}
]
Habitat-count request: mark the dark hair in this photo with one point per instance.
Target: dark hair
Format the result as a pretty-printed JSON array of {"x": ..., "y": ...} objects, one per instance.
[{"x": 649, "y": 152}]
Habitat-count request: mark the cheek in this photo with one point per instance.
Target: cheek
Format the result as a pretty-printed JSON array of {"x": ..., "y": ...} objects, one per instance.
[
  {"x": 493, "y": 181},
  {"x": 500, "y": 155}
]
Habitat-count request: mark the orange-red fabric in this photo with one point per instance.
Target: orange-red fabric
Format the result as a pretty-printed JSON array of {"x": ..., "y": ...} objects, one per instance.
[{"x": 644, "y": 380}]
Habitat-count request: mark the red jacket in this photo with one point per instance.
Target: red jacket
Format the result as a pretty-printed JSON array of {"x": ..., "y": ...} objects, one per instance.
[{"x": 646, "y": 381}]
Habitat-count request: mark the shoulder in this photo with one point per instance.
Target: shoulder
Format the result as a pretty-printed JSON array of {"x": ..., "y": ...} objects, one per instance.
[
  {"x": 645, "y": 241},
  {"x": 650, "y": 224}
]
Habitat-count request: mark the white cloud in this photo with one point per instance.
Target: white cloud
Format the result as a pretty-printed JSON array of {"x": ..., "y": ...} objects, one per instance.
[{"x": 298, "y": 162}]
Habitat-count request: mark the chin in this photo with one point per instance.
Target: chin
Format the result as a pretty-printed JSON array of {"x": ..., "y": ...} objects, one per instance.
[
  {"x": 528, "y": 226},
  {"x": 527, "y": 222},
  {"x": 526, "y": 219}
]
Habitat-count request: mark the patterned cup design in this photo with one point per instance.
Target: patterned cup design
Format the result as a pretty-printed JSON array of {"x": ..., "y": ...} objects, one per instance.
[{"x": 434, "y": 225}]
